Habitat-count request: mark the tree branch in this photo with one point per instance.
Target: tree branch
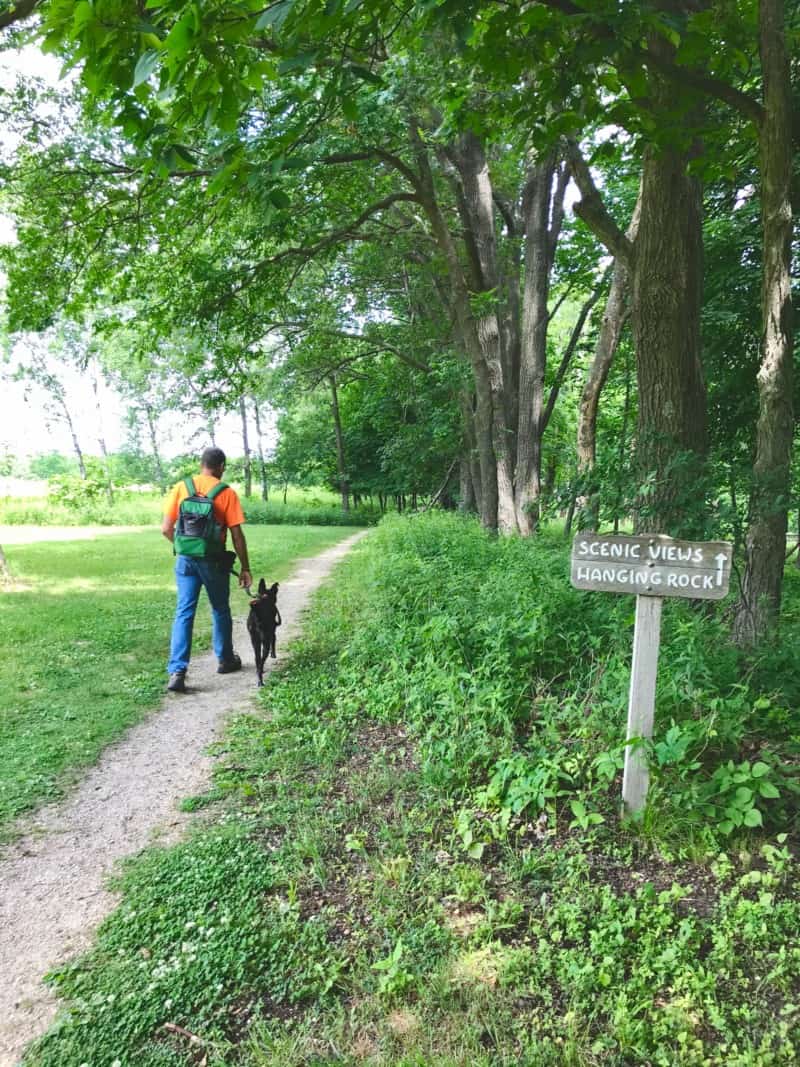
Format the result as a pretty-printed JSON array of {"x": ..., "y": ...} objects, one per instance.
[
  {"x": 592, "y": 209},
  {"x": 691, "y": 76},
  {"x": 566, "y": 358},
  {"x": 22, "y": 9}
]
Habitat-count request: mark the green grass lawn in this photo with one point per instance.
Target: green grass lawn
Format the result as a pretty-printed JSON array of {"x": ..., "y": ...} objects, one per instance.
[
  {"x": 362, "y": 891},
  {"x": 312, "y": 505},
  {"x": 84, "y": 641}
]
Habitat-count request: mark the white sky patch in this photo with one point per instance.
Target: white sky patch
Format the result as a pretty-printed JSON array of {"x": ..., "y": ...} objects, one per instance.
[{"x": 26, "y": 428}]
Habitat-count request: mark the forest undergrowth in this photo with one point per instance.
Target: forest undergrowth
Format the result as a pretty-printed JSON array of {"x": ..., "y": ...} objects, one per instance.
[{"x": 413, "y": 855}]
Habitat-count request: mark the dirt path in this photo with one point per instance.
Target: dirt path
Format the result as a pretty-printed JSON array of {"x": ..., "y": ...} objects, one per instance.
[
  {"x": 29, "y": 535},
  {"x": 52, "y": 880}
]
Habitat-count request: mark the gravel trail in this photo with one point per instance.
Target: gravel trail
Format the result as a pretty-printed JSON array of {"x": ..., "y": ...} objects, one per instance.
[{"x": 53, "y": 891}]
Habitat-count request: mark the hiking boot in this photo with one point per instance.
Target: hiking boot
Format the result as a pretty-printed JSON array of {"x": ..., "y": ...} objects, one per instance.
[
  {"x": 228, "y": 666},
  {"x": 177, "y": 682}
]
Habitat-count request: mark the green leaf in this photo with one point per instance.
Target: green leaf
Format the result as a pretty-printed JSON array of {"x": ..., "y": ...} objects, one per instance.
[
  {"x": 758, "y": 770},
  {"x": 349, "y": 108},
  {"x": 726, "y": 826},
  {"x": 753, "y": 818},
  {"x": 279, "y": 199},
  {"x": 148, "y": 61},
  {"x": 179, "y": 39},
  {"x": 275, "y": 15},
  {"x": 768, "y": 790},
  {"x": 365, "y": 74},
  {"x": 299, "y": 62},
  {"x": 83, "y": 14}
]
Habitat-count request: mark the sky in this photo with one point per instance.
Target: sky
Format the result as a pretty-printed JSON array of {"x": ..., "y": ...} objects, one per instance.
[{"x": 25, "y": 428}]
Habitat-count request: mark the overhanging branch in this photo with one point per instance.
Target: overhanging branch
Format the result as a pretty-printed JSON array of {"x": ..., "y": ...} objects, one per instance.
[{"x": 593, "y": 211}]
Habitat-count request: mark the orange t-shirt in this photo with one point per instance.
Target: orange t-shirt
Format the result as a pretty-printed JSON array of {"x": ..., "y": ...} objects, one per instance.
[{"x": 227, "y": 509}]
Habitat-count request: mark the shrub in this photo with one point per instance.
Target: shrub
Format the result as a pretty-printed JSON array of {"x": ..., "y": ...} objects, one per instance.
[{"x": 516, "y": 684}]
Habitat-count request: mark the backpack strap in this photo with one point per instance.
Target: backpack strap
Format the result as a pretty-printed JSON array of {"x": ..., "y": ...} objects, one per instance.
[
  {"x": 216, "y": 490},
  {"x": 189, "y": 483}
]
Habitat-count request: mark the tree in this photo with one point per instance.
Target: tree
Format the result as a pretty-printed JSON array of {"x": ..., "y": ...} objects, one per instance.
[{"x": 36, "y": 370}]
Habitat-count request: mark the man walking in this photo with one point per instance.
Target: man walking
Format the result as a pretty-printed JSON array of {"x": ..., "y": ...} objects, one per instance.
[{"x": 198, "y": 512}]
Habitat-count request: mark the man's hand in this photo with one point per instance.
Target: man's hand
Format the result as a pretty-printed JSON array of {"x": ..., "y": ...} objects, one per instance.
[{"x": 239, "y": 543}]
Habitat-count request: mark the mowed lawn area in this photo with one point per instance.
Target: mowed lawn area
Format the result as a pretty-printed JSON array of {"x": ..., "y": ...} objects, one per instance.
[{"x": 84, "y": 635}]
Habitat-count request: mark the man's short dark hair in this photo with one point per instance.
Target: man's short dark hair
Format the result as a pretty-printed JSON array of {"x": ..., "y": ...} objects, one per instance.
[{"x": 213, "y": 459}]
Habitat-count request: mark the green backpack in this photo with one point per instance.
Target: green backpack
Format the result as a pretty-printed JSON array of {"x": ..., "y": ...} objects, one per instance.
[{"x": 197, "y": 532}]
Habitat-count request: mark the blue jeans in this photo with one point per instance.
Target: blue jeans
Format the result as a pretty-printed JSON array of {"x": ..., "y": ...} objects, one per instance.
[{"x": 191, "y": 575}]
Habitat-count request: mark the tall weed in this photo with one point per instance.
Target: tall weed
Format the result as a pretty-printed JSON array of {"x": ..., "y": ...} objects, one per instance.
[{"x": 516, "y": 684}]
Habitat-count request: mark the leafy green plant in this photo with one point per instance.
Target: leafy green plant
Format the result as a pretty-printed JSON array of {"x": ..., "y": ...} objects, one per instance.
[
  {"x": 393, "y": 976},
  {"x": 732, "y": 794},
  {"x": 584, "y": 818}
]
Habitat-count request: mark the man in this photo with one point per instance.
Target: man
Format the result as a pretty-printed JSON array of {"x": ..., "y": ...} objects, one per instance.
[{"x": 211, "y": 571}]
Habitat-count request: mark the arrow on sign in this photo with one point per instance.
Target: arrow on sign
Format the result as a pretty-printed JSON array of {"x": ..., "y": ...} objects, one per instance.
[{"x": 721, "y": 558}]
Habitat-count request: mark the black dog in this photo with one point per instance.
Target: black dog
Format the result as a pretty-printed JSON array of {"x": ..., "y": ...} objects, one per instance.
[{"x": 262, "y": 622}]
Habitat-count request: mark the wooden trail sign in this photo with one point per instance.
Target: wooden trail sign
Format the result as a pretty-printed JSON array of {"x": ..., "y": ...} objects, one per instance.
[{"x": 651, "y": 567}]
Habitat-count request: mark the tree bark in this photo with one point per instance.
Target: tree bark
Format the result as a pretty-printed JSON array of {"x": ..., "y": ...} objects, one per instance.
[
  {"x": 665, "y": 264},
  {"x": 340, "y": 459},
  {"x": 75, "y": 443},
  {"x": 101, "y": 440},
  {"x": 762, "y": 582},
  {"x": 533, "y": 349},
  {"x": 476, "y": 184},
  {"x": 466, "y": 494},
  {"x": 482, "y": 422},
  {"x": 5, "y": 570},
  {"x": 151, "y": 428},
  {"x": 614, "y": 318},
  {"x": 666, "y": 282},
  {"x": 262, "y": 465},
  {"x": 248, "y": 466}
]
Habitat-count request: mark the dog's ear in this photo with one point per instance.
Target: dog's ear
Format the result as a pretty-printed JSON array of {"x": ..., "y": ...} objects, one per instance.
[
  {"x": 274, "y": 589},
  {"x": 262, "y": 587}
]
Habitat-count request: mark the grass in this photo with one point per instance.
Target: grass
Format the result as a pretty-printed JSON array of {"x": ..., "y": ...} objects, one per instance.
[
  {"x": 302, "y": 506},
  {"x": 396, "y": 873},
  {"x": 85, "y": 636}
]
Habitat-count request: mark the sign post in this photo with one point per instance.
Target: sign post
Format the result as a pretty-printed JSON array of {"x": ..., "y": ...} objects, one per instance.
[{"x": 651, "y": 567}]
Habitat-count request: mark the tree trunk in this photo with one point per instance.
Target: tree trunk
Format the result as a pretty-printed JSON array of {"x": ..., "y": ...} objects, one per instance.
[
  {"x": 75, "y": 443},
  {"x": 466, "y": 493},
  {"x": 482, "y": 241},
  {"x": 483, "y": 423},
  {"x": 623, "y": 447},
  {"x": 614, "y": 318},
  {"x": 248, "y": 466},
  {"x": 151, "y": 427},
  {"x": 340, "y": 461},
  {"x": 101, "y": 441},
  {"x": 5, "y": 570},
  {"x": 533, "y": 351},
  {"x": 262, "y": 466},
  {"x": 762, "y": 584},
  {"x": 666, "y": 279},
  {"x": 467, "y": 401}
]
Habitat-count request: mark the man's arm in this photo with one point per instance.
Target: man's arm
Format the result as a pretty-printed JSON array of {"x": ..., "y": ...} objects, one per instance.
[
  {"x": 168, "y": 528},
  {"x": 240, "y": 545}
]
